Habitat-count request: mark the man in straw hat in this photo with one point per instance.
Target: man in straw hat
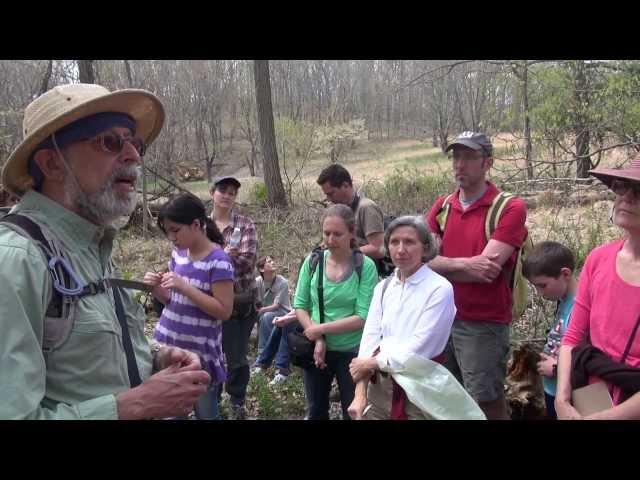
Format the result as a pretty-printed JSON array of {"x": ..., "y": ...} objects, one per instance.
[{"x": 87, "y": 358}]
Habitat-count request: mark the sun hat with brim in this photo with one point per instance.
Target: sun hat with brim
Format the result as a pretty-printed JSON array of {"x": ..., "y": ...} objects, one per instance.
[
  {"x": 608, "y": 175},
  {"x": 65, "y": 104}
]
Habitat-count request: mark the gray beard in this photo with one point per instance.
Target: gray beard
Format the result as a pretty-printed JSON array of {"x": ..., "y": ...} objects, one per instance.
[{"x": 103, "y": 207}]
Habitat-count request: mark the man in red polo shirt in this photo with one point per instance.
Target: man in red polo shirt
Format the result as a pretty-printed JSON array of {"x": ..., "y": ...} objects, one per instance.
[{"x": 479, "y": 271}]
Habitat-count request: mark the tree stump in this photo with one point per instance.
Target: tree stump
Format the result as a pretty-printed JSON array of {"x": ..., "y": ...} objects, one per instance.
[{"x": 523, "y": 390}]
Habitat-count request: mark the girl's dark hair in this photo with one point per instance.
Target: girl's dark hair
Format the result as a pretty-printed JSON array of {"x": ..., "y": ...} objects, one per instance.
[{"x": 184, "y": 209}]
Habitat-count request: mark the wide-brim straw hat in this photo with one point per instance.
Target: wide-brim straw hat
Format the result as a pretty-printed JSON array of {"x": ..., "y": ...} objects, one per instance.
[
  {"x": 65, "y": 104},
  {"x": 608, "y": 175}
]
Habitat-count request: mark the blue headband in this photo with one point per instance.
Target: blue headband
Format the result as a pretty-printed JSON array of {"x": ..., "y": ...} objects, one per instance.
[{"x": 81, "y": 129}]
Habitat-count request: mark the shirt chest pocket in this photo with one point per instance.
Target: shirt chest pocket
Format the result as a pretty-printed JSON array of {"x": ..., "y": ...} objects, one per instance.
[{"x": 96, "y": 315}]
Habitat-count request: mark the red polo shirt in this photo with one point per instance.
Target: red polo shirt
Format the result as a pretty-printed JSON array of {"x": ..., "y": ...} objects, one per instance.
[{"x": 465, "y": 237}]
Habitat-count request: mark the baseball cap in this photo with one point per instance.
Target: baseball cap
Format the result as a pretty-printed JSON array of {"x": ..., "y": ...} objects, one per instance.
[
  {"x": 226, "y": 179},
  {"x": 473, "y": 140}
]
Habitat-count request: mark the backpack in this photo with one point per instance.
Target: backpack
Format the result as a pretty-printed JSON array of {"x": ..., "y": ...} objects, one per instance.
[
  {"x": 318, "y": 252},
  {"x": 67, "y": 290},
  {"x": 517, "y": 283}
]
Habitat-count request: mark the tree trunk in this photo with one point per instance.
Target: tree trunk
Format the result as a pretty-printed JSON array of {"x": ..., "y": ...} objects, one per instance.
[
  {"x": 127, "y": 68},
  {"x": 527, "y": 126},
  {"x": 276, "y": 196},
  {"x": 47, "y": 78},
  {"x": 85, "y": 71},
  {"x": 582, "y": 152}
]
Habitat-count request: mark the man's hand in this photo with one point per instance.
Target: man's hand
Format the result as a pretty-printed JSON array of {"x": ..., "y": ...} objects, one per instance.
[
  {"x": 284, "y": 320},
  {"x": 483, "y": 268},
  {"x": 361, "y": 368},
  {"x": 545, "y": 366},
  {"x": 186, "y": 360},
  {"x": 313, "y": 332},
  {"x": 171, "y": 392}
]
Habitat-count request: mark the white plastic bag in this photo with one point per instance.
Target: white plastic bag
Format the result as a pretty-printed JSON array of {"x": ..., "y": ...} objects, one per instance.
[{"x": 434, "y": 390}]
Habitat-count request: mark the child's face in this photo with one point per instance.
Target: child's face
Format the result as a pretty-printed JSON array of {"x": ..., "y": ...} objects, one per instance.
[
  {"x": 551, "y": 288},
  {"x": 269, "y": 266}
]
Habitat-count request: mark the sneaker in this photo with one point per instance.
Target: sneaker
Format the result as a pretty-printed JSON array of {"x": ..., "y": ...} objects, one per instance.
[
  {"x": 238, "y": 412},
  {"x": 257, "y": 370},
  {"x": 279, "y": 378}
]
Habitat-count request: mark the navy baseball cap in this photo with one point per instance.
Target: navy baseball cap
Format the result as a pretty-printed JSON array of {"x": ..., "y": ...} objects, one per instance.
[{"x": 473, "y": 140}]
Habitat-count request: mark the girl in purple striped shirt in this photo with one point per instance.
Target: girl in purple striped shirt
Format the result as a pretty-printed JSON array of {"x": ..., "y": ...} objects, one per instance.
[{"x": 197, "y": 291}]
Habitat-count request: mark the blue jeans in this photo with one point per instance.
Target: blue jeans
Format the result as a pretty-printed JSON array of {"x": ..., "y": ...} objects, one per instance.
[
  {"x": 265, "y": 326},
  {"x": 277, "y": 345},
  {"x": 207, "y": 406}
]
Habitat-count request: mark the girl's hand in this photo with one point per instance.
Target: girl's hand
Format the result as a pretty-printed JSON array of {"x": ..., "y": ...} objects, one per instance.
[
  {"x": 172, "y": 281},
  {"x": 319, "y": 353},
  {"x": 152, "y": 278}
]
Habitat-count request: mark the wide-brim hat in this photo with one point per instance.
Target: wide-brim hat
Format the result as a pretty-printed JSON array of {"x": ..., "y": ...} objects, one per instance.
[
  {"x": 65, "y": 104},
  {"x": 608, "y": 175}
]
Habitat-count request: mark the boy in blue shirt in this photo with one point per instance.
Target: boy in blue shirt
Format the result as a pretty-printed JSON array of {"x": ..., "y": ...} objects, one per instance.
[{"x": 549, "y": 268}]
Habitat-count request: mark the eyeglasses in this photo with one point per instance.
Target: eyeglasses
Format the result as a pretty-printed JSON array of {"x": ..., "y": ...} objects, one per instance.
[
  {"x": 621, "y": 187},
  {"x": 113, "y": 143}
]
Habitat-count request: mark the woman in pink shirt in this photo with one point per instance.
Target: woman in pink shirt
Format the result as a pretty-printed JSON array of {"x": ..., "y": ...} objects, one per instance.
[{"x": 606, "y": 312}]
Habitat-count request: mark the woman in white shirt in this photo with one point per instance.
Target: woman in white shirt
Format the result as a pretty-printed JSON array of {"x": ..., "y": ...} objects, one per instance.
[{"x": 409, "y": 319}]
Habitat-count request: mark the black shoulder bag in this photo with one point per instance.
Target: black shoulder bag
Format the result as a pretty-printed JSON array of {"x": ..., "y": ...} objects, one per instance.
[{"x": 300, "y": 347}]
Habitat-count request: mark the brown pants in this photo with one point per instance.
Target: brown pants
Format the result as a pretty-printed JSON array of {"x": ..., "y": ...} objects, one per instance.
[{"x": 379, "y": 396}]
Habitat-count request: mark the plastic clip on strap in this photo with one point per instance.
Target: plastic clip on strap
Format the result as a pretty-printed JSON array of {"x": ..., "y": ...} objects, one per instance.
[{"x": 57, "y": 284}]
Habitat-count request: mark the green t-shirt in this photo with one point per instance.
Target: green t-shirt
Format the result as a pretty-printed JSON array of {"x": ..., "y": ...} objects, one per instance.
[{"x": 352, "y": 296}]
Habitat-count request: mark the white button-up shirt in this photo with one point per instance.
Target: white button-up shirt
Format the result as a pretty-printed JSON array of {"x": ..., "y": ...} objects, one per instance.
[{"x": 413, "y": 318}]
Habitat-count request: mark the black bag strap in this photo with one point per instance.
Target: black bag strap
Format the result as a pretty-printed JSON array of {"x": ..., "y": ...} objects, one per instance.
[
  {"x": 630, "y": 342},
  {"x": 132, "y": 366},
  {"x": 321, "y": 286}
]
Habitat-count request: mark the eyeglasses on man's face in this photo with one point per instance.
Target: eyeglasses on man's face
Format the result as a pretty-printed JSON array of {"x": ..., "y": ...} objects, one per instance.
[{"x": 113, "y": 143}]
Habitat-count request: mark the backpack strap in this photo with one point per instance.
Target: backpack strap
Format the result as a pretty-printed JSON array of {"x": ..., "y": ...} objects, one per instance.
[
  {"x": 30, "y": 229},
  {"x": 358, "y": 261},
  {"x": 495, "y": 212},
  {"x": 132, "y": 366},
  {"x": 443, "y": 213},
  {"x": 320, "y": 285}
]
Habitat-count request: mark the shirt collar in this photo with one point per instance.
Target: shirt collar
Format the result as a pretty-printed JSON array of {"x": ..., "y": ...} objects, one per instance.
[
  {"x": 69, "y": 227},
  {"x": 485, "y": 200},
  {"x": 417, "y": 277}
]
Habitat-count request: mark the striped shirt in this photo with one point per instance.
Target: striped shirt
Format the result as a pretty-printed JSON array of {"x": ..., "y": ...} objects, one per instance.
[{"x": 184, "y": 324}]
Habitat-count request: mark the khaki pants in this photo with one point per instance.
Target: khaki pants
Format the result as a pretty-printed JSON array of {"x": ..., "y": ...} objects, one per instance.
[{"x": 379, "y": 396}]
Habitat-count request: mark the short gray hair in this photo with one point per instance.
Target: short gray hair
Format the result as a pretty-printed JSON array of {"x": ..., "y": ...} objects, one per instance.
[{"x": 421, "y": 228}]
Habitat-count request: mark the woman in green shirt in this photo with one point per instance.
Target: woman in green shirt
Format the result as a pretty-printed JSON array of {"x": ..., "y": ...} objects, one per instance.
[{"x": 347, "y": 293}]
